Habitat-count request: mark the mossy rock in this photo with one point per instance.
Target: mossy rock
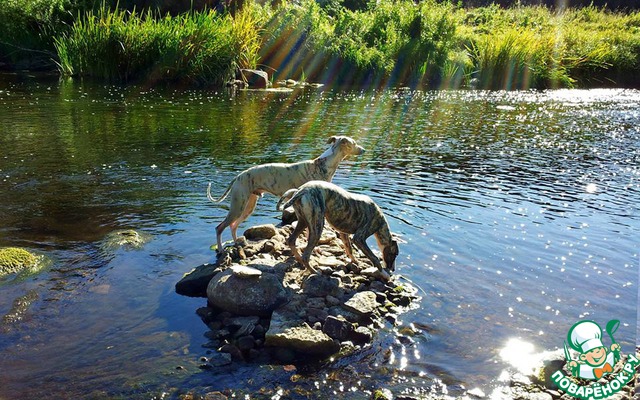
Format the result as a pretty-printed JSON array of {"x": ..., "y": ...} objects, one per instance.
[
  {"x": 125, "y": 238},
  {"x": 15, "y": 260}
]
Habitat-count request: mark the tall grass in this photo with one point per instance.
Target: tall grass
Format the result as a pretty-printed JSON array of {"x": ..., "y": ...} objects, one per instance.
[
  {"x": 386, "y": 42},
  {"x": 196, "y": 47},
  {"x": 394, "y": 41},
  {"x": 525, "y": 47}
]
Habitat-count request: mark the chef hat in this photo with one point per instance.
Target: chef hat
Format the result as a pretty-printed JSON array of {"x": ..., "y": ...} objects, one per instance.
[{"x": 585, "y": 336}]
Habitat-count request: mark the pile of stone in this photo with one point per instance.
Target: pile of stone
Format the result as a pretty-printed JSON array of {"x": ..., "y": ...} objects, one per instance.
[{"x": 263, "y": 306}]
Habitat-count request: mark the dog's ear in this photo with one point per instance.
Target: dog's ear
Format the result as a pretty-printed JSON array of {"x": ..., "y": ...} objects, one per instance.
[{"x": 332, "y": 139}]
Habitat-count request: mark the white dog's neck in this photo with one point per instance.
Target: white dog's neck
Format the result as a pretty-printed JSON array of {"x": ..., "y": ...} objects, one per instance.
[
  {"x": 332, "y": 158},
  {"x": 328, "y": 152}
]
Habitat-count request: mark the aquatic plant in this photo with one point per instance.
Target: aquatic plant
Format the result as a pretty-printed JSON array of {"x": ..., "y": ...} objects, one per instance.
[{"x": 15, "y": 260}]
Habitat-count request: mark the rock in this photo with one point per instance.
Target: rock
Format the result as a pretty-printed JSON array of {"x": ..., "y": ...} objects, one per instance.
[
  {"x": 318, "y": 314},
  {"x": 261, "y": 232},
  {"x": 257, "y": 296},
  {"x": 321, "y": 286},
  {"x": 381, "y": 394},
  {"x": 288, "y": 216},
  {"x": 246, "y": 343},
  {"x": 215, "y": 396},
  {"x": 232, "y": 350},
  {"x": 255, "y": 78},
  {"x": 284, "y": 355},
  {"x": 14, "y": 260},
  {"x": 362, "y": 303},
  {"x": 220, "y": 359},
  {"x": 362, "y": 334},
  {"x": 125, "y": 238},
  {"x": 375, "y": 273},
  {"x": 332, "y": 301},
  {"x": 242, "y": 271},
  {"x": 194, "y": 283},
  {"x": 338, "y": 328},
  {"x": 330, "y": 262},
  {"x": 296, "y": 335},
  {"x": 551, "y": 363}
]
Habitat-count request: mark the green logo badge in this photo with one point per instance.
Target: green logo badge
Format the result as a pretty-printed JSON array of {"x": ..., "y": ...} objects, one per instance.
[{"x": 595, "y": 360}]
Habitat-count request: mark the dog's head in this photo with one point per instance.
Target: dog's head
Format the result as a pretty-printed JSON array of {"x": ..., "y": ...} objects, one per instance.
[
  {"x": 389, "y": 254},
  {"x": 346, "y": 145}
]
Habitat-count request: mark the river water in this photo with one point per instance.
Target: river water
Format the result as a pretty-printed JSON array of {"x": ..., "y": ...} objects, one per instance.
[{"x": 517, "y": 211}]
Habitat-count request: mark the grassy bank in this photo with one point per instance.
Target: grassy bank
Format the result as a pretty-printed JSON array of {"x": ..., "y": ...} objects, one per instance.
[
  {"x": 202, "y": 48},
  {"x": 388, "y": 42}
]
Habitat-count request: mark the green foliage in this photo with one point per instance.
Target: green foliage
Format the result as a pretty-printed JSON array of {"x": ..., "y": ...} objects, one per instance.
[
  {"x": 524, "y": 47},
  {"x": 395, "y": 40},
  {"x": 196, "y": 47},
  {"x": 379, "y": 42},
  {"x": 27, "y": 28}
]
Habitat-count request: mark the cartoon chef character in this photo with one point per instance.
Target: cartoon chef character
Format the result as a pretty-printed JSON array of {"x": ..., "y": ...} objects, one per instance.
[{"x": 595, "y": 359}]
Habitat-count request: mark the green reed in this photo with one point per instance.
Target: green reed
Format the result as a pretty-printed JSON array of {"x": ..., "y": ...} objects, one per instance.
[
  {"x": 196, "y": 47},
  {"x": 386, "y": 42}
]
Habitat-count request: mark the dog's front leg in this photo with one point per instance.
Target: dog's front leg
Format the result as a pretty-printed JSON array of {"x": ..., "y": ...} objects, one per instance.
[
  {"x": 346, "y": 241},
  {"x": 361, "y": 242}
]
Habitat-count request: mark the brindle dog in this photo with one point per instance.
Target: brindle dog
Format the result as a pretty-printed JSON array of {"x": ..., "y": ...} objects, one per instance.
[
  {"x": 276, "y": 178},
  {"x": 348, "y": 213}
]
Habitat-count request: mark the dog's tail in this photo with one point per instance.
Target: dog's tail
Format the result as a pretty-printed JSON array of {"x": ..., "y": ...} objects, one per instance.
[
  {"x": 224, "y": 195},
  {"x": 287, "y": 196}
]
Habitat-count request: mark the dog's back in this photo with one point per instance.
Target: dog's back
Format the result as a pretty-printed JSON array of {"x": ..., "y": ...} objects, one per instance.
[{"x": 345, "y": 211}]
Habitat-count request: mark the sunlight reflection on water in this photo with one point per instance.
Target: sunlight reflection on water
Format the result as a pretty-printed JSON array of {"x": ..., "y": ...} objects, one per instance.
[{"x": 518, "y": 213}]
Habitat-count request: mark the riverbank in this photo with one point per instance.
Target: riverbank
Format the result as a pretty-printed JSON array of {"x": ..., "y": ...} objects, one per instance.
[{"x": 395, "y": 43}]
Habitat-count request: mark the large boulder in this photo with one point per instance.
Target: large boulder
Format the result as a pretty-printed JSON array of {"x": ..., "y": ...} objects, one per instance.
[{"x": 247, "y": 291}]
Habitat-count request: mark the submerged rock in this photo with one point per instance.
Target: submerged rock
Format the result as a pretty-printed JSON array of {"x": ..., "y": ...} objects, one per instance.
[
  {"x": 16, "y": 260},
  {"x": 125, "y": 238}
]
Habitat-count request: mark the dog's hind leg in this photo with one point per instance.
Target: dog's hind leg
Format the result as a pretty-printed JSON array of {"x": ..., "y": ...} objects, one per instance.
[
  {"x": 315, "y": 223},
  {"x": 291, "y": 241},
  {"x": 236, "y": 208},
  {"x": 249, "y": 206}
]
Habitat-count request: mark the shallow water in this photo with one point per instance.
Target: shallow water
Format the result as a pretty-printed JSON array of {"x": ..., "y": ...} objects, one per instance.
[{"x": 518, "y": 213}]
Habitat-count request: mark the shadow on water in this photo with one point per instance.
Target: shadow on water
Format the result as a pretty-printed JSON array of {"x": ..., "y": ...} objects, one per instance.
[{"x": 517, "y": 211}]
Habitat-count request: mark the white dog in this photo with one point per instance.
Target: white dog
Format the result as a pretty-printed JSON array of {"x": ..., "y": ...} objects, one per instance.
[{"x": 276, "y": 178}]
